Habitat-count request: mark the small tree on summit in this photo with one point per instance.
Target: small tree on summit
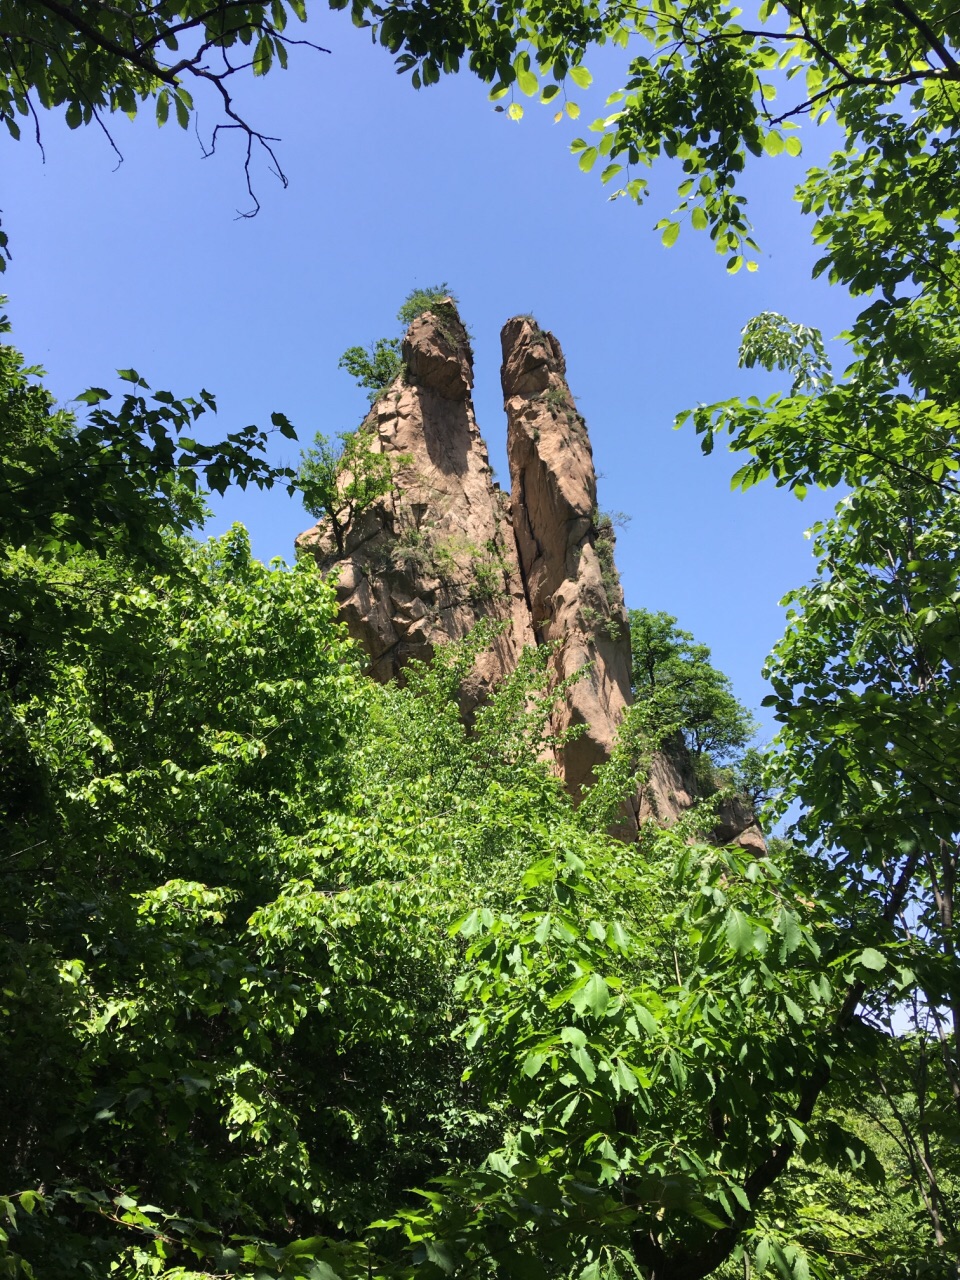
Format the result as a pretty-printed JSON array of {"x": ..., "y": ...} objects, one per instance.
[{"x": 376, "y": 366}]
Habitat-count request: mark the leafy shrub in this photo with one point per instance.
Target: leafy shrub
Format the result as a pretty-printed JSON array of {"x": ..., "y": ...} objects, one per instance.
[
  {"x": 418, "y": 301},
  {"x": 339, "y": 483}
]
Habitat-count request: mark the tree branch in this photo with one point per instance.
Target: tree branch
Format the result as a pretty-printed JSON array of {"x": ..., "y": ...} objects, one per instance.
[
  {"x": 73, "y": 20},
  {"x": 941, "y": 50}
]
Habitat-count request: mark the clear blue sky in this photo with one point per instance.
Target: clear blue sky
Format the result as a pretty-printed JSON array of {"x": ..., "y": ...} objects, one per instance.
[{"x": 147, "y": 266}]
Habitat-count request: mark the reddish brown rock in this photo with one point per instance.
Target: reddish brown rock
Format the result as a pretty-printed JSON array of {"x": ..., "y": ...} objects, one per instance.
[
  {"x": 566, "y": 549},
  {"x": 424, "y": 564}
]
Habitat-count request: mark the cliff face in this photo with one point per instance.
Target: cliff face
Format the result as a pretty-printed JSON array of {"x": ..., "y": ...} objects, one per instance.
[
  {"x": 425, "y": 563},
  {"x": 566, "y": 551}
]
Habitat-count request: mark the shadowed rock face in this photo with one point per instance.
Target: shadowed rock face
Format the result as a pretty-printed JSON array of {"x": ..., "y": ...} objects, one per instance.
[
  {"x": 427, "y": 562},
  {"x": 446, "y": 549}
]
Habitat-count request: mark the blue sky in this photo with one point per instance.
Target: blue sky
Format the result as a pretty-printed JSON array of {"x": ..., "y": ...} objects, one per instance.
[{"x": 147, "y": 266}]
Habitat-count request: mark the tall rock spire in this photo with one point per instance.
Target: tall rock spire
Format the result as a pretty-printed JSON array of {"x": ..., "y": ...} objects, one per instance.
[
  {"x": 565, "y": 545},
  {"x": 425, "y": 563}
]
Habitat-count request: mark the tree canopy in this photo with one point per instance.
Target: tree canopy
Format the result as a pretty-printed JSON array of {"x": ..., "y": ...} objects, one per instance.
[{"x": 674, "y": 676}]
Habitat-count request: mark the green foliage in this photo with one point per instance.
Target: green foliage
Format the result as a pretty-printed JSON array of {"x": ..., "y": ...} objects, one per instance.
[
  {"x": 604, "y": 543},
  {"x": 674, "y": 675},
  {"x": 418, "y": 301},
  {"x": 374, "y": 367},
  {"x": 488, "y": 571},
  {"x": 413, "y": 552},
  {"x": 339, "y": 483},
  {"x": 114, "y": 478},
  {"x": 771, "y": 341},
  {"x": 751, "y": 778},
  {"x": 699, "y": 87},
  {"x": 279, "y": 944},
  {"x": 230, "y": 865},
  {"x": 616, "y": 1004}
]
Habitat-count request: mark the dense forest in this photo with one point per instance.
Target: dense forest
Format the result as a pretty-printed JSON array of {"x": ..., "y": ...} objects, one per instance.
[{"x": 304, "y": 975}]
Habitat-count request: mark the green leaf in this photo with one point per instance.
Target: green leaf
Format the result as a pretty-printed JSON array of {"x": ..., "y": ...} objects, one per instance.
[
  {"x": 515, "y": 111},
  {"x": 801, "y": 1267},
  {"x": 670, "y": 233},
  {"x": 625, "y": 1077},
  {"x": 872, "y": 959},
  {"x": 440, "y": 1254},
  {"x": 588, "y": 159},
  {"x": 283, "y": 425},
  {"x": 789, "y": 927},
  {"x": 739, "y": 932},
  {"x": 705, "y": 1215},
  {"x": 93, "y": 395},
  {"x": 528, "y": 83},
  {"x": 593, "y": 996},
  {"x": 794, "y": 1010},
  {"x": 645, "y": 1019},
  {"x": 581, "y": 77},
  {"x": 584, "y": 1061},
  {"x": 263, "y": 56}
]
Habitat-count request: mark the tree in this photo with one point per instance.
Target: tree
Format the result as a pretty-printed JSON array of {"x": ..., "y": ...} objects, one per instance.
[
  {"x": 279, "y": 944},
  {"x": 117, "y": 478},
  {"x": 864, "y": 682},
  {"x": 663, "y": 1028},
  {"x": 700, "y": 89},
  {"x": 375, "y": 367},
  {"x": 339, "y": 484},
  {"x": 674, "y": 673},
  {"x": 865, "y": 686}
]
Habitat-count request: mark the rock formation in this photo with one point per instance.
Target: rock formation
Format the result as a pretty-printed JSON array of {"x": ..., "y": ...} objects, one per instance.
[
  {"x": 565, "y": 547},
  {"x": 445, "y": 549},
  {"x": 424, "y": 564}
]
